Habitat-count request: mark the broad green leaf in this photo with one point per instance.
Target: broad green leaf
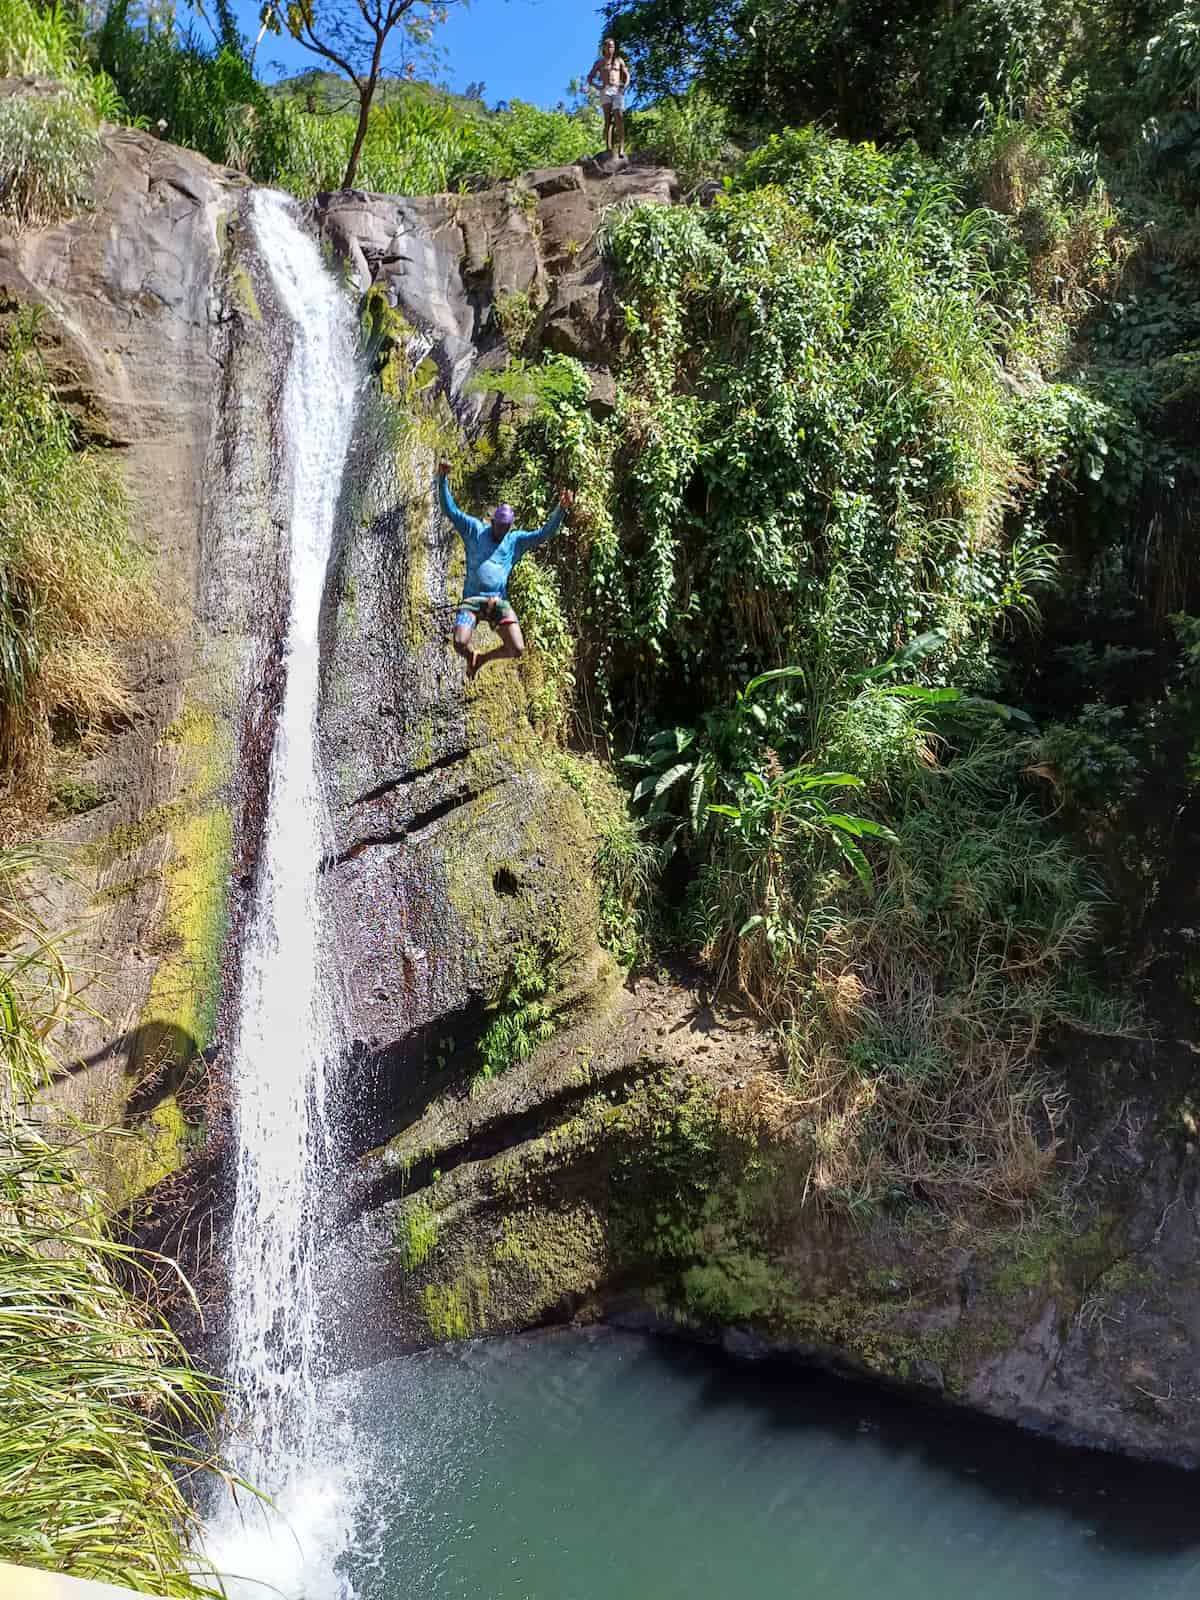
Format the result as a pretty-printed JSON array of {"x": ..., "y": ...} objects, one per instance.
[
  {"x": 776, "y": 675},
  {"x": 696, "y": 795},
  {"x": 856, "y": 859},
  {"x": 801, "y": 778},
  {"x": 927, "y": 697},
  {"x": 860, "y": 827},
  {"x": 915, "y": 650},
  {"x": 671, "y": 777}
]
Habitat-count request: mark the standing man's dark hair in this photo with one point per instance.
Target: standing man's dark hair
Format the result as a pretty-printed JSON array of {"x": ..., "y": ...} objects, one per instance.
[{"x": 610, "y": 74}]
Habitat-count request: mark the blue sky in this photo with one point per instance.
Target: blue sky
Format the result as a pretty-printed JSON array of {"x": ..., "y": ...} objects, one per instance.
[{"x": 521, "y": 49}]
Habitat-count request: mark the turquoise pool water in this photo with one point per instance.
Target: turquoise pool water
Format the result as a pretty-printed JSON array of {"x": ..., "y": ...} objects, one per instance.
[{"x": 603, "y": 1466}]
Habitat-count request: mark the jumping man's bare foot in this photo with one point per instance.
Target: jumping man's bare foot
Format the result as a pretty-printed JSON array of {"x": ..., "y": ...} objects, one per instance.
[{"x": 472, "y": 664}]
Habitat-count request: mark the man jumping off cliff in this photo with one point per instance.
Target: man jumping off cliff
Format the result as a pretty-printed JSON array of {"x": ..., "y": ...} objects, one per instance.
[
  {"x": 493, "y": 550},
  {"x": 611, "y": 76}
]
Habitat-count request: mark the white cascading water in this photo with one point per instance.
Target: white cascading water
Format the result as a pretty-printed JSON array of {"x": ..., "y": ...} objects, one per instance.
[{"x": 281, "y": 1439}]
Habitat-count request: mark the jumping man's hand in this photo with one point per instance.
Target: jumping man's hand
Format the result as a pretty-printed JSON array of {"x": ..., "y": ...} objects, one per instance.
[{"x": 443, "y": 469}]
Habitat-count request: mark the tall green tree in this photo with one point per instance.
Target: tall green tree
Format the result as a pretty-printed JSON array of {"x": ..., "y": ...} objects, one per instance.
[{"x": 364, "y": 39}]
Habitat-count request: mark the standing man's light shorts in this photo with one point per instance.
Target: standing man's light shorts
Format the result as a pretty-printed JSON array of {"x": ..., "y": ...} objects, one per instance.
[{"x": 614, "y": 99}]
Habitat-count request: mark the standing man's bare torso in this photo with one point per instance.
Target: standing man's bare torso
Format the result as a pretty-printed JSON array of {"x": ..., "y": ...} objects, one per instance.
[{"x": 613, "y": 74}]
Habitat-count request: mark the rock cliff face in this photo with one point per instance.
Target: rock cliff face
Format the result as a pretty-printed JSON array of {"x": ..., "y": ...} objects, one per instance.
[
  {"x": 636, "y": 1165},
  {"x": 130, "y": 332},
  {"x": 457, "y": 843},
  {"x": 459, "y": 266}
]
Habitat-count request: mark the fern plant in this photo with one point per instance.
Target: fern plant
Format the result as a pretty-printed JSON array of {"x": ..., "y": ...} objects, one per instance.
[{"x": 523, "y": 1010}]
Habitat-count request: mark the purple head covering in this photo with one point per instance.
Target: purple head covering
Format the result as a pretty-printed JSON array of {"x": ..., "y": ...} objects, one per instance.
[{"x": 504, "y": 516}]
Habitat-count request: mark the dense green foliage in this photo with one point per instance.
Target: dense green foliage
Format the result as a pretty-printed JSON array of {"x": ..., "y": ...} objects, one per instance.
[
  {"x": 95, "y": 1395},
  {"x": 146, "y": 70},
  {"x": 206, "y": 95},
  {"x": 877, "y": 68},
  {"x": 841, "y": 549},
  {"x": 414, "y": 146},
  {"x": 49, "y": 143},
  {"x": 416, "y": 141}
]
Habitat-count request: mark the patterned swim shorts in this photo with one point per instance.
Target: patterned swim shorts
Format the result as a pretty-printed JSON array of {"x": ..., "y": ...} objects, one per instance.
[{"x": 491, "y": 608}]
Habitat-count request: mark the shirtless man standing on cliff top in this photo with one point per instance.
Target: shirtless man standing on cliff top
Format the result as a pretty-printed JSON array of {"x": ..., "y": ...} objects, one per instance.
[{"x": 610, "y": 75}]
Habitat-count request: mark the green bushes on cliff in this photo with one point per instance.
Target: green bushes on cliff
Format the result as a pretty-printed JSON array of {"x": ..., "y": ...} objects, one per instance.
[
  {"x": 48, "y": 152},
  {"x": 815, "y": 542},
  {"x": 95, "y": 1395},
  {"x": 206, "y": 94},
  {"x": 417, "y": 146},
  {"x": 73, "y": 585},
  {"x": 417, "y": 142}
]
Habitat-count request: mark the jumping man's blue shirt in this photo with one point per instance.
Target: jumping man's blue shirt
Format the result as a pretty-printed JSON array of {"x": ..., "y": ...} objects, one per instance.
[{"x": 489, "y": 563}]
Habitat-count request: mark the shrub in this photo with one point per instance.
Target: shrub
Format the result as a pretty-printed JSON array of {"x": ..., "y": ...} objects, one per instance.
[
  {"x": 49, "y": 143},
  {"x": 915, "y": 1036},
  {"x": 522, "y": 1009},
  {"x": 625, "y": 865},
  {"x": 208, "y": 97},
  {"x": 49, "y": 146},
  {"x": 688, "y": 133}
]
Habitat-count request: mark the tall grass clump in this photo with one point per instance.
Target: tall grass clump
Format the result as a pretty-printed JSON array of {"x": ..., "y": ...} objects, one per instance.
[
  {"x": 914, "y": 991},
  {"x": 49, "y": 146},
  {"x": 914, "y": 1042},
  {"x": 49, "y": 142},
  {"x": 206, "y": 94},
  {"x": 95, "y": 1395},
  {"x": 73, "y": 585},
  {"x": 415, "y": 146}
]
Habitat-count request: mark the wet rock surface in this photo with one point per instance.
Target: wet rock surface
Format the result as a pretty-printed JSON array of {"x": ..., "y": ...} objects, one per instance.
[{"x": 554, "y": 1195}]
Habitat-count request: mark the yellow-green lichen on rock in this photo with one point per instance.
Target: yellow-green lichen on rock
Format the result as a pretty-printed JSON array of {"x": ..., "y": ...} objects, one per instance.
[{"x": 193, "y": 834}]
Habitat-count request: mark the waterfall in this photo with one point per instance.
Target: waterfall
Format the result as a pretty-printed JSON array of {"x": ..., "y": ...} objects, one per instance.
[{"x": 288, "y": 1040}]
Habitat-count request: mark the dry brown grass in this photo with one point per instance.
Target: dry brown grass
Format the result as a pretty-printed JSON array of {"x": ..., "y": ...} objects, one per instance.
[{"x": 914, "y": 1015}]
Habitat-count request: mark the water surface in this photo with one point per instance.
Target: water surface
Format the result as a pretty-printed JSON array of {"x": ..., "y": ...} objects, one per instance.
[{"x": 601, "y": 1466}]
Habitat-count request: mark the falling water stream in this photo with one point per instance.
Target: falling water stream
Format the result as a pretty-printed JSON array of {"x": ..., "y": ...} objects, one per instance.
[{"x": 288, "y": 1042}]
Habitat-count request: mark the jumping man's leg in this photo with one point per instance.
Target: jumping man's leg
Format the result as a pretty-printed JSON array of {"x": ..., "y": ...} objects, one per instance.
[
  {"x": 619, "y": 129},
  {"x": 511, "y": 648},
  {"x": 608, "y": 125},
  {"x": 463, "y": 630}
]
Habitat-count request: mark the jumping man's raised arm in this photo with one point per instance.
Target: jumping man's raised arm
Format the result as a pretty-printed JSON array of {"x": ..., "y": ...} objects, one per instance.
[
  {"x": 466, "y": 525},
  {"x": 530, "y": 541}
]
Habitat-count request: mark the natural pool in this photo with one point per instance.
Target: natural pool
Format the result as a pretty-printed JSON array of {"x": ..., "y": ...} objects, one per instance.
[{"x": 603, "y": 1466}]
